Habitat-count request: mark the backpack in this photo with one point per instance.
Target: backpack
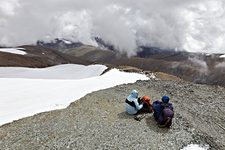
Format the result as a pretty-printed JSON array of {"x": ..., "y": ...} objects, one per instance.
[
  {"x": 166, "y": 116},
  {"x": 167, "y": 112}
]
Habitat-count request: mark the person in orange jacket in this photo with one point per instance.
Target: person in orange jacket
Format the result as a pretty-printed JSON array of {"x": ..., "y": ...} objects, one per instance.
[{"x": 147, "y": 106}]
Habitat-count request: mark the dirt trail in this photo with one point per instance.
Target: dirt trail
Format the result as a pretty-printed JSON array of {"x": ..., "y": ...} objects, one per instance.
[{"x": 98, "y": 121}]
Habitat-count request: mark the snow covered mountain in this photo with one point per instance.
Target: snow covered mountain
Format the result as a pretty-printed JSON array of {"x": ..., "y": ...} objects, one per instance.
[{"x": 59, "y": 44}]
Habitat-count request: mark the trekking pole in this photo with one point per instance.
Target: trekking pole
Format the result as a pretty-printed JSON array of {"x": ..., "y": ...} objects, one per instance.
[
  {"x": 140, "y": 117},
  {"x": 219, "y": 125}
]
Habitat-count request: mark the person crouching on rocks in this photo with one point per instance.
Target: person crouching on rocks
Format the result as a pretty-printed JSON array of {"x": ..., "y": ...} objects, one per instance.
[
  {"x": 163, "y": 112},
  {"x": 147, "y": 106},
  {"x": 132, "y": 105}
]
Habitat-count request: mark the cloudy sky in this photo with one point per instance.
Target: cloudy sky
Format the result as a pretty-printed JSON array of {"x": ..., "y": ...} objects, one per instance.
[{"x": 193, "y": 25}]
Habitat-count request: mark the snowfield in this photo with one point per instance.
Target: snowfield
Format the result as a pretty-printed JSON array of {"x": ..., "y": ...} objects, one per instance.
[
  {"x": 25, "y": 91},
  {"x": 13, "y": 50},
  {"x": 67, "y": 71}
]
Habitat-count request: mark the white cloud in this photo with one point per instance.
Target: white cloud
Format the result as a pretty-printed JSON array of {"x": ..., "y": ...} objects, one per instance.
[
  {"x": 75, "y": 26},
  {"x": 200, "y": 64},
  {"x": 176, "y": 24},
  {"x": 8, "y": 7},
  {"x": 220, "y": 65},
  {"x": 112, "y": 25}
]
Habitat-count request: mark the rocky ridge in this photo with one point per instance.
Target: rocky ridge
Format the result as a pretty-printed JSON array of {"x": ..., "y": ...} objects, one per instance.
[{"x": 98, "y": 121}]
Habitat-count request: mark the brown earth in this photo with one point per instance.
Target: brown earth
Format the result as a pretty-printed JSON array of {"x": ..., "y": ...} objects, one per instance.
[{"x": 38, "y": 57}]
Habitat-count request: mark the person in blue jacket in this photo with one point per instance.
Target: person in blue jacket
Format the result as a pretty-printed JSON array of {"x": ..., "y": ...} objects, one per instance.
[
  {"x": 163, "y": 112},
  {"x": 132, "y": 105}
]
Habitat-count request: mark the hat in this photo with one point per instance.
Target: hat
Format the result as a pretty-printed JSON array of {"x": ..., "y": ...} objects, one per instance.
[
  {"x": 146, "y": 98},
  {"x": 134, "y": 94},
  {"x": 165, "y": 99}
]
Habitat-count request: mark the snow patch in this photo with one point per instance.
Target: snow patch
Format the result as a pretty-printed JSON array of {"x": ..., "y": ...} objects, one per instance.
[
  {"x": 67, "y": 42},
  {"x": 152, "y": 76},
  {"x": 195, "y": 147},
  {"x": 26, "y": 97},
  {"x": 222, "y": 56},
  {"x": 13, "y": 50}
]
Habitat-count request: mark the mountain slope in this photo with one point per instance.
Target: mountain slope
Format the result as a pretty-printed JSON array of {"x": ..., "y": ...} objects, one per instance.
[
  {"x": 98, "y": 121},
  {"x": 194, "y": 67},
  {"x": 38, "y": 56}
]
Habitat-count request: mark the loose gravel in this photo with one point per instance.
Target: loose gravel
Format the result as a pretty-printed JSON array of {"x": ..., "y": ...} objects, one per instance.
[{"x": 98, "y": 121}]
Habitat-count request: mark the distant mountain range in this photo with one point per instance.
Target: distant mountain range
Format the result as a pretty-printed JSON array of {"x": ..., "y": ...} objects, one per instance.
[
  {"x": 194, "y": 67},
  {"x": 59, "y": 44}
]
